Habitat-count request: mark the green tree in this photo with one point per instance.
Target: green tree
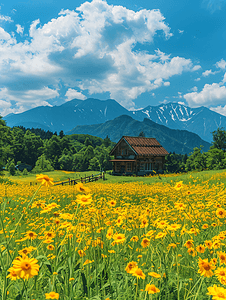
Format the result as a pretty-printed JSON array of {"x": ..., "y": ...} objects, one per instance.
[
  {"x": 94, "y": 164},
  {"x": 53, "y": 150},
  {"x": 42, "y": 165},
  {"x": 196, "y": 161},
  {"x": 66, "y": 162},
  {"x": 215, "y": 159},
  {"x": 33, "y": 148},
  {"x": 219, "y": 139},
  {"x": 107, "y": 142},
  {"x": 11, "y": 167}
]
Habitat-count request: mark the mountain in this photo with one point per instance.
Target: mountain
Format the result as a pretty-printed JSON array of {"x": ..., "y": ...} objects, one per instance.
[
  {"x": 201, "y": 120},
  {"x": 68, "y": 115},
  {"x": 173, "y": 140}
]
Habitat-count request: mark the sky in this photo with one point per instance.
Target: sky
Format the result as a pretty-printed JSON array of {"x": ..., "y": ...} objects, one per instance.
[{"x": 139, "y": 53}]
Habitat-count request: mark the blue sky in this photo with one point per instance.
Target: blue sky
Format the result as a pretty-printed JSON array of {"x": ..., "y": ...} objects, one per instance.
[{"x": 139, "y": 53}]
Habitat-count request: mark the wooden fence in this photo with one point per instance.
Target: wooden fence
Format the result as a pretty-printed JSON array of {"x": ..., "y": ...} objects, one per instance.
[{"x": 86, "y": 179}]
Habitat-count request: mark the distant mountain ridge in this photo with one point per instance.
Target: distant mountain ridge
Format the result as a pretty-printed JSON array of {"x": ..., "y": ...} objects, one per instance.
[
  {"x": 201, "y": 120},
  {"x": 173, "y": 140}
]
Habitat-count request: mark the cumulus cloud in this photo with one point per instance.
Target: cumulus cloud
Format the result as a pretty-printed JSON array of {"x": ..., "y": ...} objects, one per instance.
[
  {"x": 208, "y": 72},
  {"x": 211, "y": 94},
  {"x": 25, "y": 99},
  {"x": 221, "y": 64},
  {"x": 74, "y": 94},
  {"x": 219, "y": 109},
  {"x": 91, "y": 48},
  {"x": 19, "y": 29}
]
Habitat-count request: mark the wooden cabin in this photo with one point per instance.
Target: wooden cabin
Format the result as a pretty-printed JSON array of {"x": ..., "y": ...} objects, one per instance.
[{"x": 138, "y": 155}]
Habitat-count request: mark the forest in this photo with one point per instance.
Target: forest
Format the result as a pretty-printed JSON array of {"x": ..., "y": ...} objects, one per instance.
[{"x": 47, "y": 151}]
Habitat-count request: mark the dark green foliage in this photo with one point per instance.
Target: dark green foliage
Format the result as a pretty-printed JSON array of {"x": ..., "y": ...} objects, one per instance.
[
  {"x": 219, "y": 139},
  {"x": 42, "y": 165},
  {"x": 38, "y": 131},
  {"x": 11, "y": 168},
  {"x": 175, "y": 163},
  {"x": 46, "y": 151}
]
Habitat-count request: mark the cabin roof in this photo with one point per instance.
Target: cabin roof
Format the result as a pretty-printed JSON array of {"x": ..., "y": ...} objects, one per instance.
[{"x": 143, "y": 146}]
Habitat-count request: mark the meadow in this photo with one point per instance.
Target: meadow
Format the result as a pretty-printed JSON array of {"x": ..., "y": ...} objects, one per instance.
[{"x": 125, "y": 238}]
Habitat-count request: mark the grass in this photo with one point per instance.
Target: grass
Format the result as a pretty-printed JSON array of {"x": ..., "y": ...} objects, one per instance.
[{"x": 59, "y": 175}]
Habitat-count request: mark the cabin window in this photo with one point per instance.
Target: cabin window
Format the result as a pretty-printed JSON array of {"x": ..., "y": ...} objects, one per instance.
[
  {"x": 124, "y": 151},
  {"x": 147, "y": 166},
  {"x": 129, "y": 167},
  {"x": 142, "y": 166},
  {"x": 117, "y": 167}
]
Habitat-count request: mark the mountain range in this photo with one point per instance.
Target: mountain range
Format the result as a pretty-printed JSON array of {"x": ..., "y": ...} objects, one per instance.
[
  {"x": 173, "y": 140},
  {"x": 201, "y": 120}
]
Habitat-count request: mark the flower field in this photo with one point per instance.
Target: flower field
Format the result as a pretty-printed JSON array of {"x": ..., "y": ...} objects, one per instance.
[{"x": 121, "y": 241}]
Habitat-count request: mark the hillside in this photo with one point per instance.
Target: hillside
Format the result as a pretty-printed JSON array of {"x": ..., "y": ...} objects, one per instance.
[{"x": 178, "y": 141}]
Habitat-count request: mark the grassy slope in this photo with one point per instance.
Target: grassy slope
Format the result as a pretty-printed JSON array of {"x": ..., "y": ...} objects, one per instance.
[{"x": 185, "y": 177}]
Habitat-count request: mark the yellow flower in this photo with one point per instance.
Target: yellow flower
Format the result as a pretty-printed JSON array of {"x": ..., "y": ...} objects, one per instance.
[
  {"x": 222, "y": 257},
  {"x": 151, "y": 289},
  {"x": 134, "y": 238},
  {"x": 109, "y": 233},
  {"x": 119, "y": 238},
  {"x": 178, "y": 185},
  {"x": 180, "y": 206},
  {"x": 81, "y": 188},
  {"x": 221, "y": 213},
  {"x": 52, "y": 295},
  {"x": 88, "y": 261},
  {"x": 84, "y": 199},
  {"x": 131, "y": 266},
  {"x": 217, "y": 292},
  {"x": 25, "y": 267},
  {"x": 221, "y": 275},
  {"x": 70, "y": 279},
  {"x": 200, "y": 248},
  {"x": 50, "y": 247},
  {"x": 189, "y": 244},
  {"x": 138, "y": 273},
  {"x": 45, "y": 180},
  {"x": 145, "y": 242},
  {"x": 192, "y": 252},
  {"x": 31, "y": 235},
  {"x": 155, "y": 275},
  {"x": 81, "y": 253},
  {"x": 12, "y": 274},
  {"x": 205, "y": 267}
]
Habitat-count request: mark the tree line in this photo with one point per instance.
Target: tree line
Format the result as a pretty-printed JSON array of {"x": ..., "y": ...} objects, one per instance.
[
  {"x": 46, "y": 151},
  {"x": 213, "y": 159}
]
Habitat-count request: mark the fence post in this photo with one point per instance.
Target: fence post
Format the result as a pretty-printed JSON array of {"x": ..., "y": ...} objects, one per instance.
[{"x": 103, "y": 176}]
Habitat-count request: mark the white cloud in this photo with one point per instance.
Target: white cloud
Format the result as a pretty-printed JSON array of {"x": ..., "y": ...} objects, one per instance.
[
  {"x": 194, "y": 89},
  {"x": 5, "y": 18},
  {"x": 74, "y": 94},
  {"x": 30, "y": 97},
  {"x": 221, "y": 64},
  {"x": 208, "y": 72},
  {"x": 219, "y": 109},
  {"x": 212, "y": 94},
  {"x": 92, "y": 49},
  {"x": 19, "y": 29}
]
